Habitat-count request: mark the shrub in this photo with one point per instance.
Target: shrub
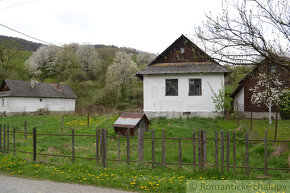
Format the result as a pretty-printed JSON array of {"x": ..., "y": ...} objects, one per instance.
[{"x": 284, "y": 105}]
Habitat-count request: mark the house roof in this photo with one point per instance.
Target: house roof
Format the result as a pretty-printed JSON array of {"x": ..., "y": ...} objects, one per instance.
[
  {"x": 130, "y": 120},
  {"x": 183, "y": 68},
  {"x": 18, "y": 88},
  {"x": 196, "y": 60}
]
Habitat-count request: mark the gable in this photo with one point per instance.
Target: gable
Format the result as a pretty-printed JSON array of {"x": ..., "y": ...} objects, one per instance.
[
  {"x": 182, "y": 50},
  {"x": 182, "y": 57}
]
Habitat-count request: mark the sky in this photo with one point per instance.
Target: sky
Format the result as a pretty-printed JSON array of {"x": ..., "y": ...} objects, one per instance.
[{"x": 146, "y": 25}]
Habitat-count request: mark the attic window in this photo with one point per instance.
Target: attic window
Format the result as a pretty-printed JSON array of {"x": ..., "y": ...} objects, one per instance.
[
  {"x": 194, "y": 87},
  {"x": 182, "y": 50},
  {"x": 171, "y": 87}
]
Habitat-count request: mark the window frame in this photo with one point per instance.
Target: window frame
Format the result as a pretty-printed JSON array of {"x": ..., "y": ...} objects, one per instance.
[
  {"x": 189, "y": 86},
  {"x": 172, "y": 79}
]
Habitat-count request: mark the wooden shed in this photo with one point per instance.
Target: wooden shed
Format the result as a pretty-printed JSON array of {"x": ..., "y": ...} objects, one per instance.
[{"x": 132, "y": 121}]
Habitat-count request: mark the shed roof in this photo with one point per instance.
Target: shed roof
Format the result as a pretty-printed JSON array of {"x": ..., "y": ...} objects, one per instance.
[
  {"x": 130, "y": 120},
  {"x": 19, "y": 88}
]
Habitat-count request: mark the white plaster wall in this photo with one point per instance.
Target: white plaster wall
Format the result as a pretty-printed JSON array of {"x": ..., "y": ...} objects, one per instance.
[
  {"x": 239, "y": 101},
  {"x": 156, "y": 101},
  {"x": 24, "y": 104}
]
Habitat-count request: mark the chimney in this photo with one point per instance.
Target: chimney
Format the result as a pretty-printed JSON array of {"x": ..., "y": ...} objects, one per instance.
[
  {"x": 57, "y": 86},
  {"x": 32, "y": 83}
]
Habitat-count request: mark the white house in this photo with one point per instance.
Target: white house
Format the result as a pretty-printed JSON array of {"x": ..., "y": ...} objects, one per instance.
[
  {"x": 18, "y": 96},
  {"x": 181, "y": 82}
]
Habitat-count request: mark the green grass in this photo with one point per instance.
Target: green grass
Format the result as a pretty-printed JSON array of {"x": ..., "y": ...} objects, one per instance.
[{"x": 143, "y": 176}]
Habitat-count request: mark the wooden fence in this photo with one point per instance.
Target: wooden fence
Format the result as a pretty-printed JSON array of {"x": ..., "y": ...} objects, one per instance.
[{"x": 198, "y": 140}]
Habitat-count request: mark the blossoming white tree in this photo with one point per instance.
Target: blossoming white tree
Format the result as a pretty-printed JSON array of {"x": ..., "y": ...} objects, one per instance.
[{"x": 267, "y": 91}]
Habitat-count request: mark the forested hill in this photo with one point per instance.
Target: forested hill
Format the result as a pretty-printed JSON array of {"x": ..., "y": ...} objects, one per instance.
[
  {"x": 23, "y": 44},
  {"x": 26, "y": 45}
]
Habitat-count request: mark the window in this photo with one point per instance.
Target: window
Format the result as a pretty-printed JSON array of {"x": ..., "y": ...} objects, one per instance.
[
  {"x": 182, "y": 53},
  {"x": 2, "y": 102},
  {"x": 194, "y": 87},
  {"x": 40, "y": 100},
  {"x": 171, "y": 87}
]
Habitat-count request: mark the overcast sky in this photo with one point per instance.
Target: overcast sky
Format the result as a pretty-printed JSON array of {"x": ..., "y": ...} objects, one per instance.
[{"x": 147, "y": 25}]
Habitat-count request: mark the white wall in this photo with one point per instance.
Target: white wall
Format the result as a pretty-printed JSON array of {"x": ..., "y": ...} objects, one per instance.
[
  {"x": 24, "y": 104},
  {"x": 239, "y": 98},
  {"x": 155, "y": 100}
]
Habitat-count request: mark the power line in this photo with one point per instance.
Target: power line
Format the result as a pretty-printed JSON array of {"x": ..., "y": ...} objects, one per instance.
[
  {"x": 47, "y": 43},
  {"x": 16, "y": 5}
]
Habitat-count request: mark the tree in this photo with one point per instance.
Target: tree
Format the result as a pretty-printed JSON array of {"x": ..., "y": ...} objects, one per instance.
[
  {"x": 144, "y": 58},
  {"x": 90, "y": 61},
  {"x": 68, "y": 65},
  {"x": 42, "y": 63},
  {"x": 267, "y": 91},
  {"x": 9, "y": 50},
  {"x": 221, "y": 100},
  {"x": 248, "y": 31},
  {"x": 120, "y": 73}
]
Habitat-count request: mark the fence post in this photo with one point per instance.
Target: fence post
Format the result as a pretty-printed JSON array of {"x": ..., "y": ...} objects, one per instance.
[
  {"x": 234, "y": 152},
  {"x": 4, "y": 139},
  {"x": 25, "y": 129},
  {"x": 238, "y": 121},
  {"x": 128, "y": 146},
  {"x": 228, "y": 151},
  {"x": 216, "y": 149},
  {"x": 153, "y": 147},
  {"x": 199, "y": 150},
  {"x": 276, "y": 124},
  {"x": 0, "y": 137},
  {"x": 179, "y": 153},
  {"x": 193, "y": 150},
  {"x": 204, "y": 148},
  {"x": 14, "y": 142},
  {"x": 73, "y": 146},
  {"x": 266, "y": 153},
  {"x": 8, "y": 139},
  {"x": 62, "y": 123},
  {"x": 222, "y": 152},
  {"x": 140, "y": 145},
  {"x": 34, "y": 143},
  {"x": 119, "y": 151},
  {"x": 105, "y": 148},
  {"x": 97, "y": 147},
  {"x": 251, "y": 119},
  {"x": 163, "y": 148},
  {"x": 247, "y": 152},
  {"x": 101, "y": 145}
]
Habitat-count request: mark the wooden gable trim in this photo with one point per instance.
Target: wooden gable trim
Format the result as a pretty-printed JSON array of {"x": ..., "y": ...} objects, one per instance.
[{"x": 187, "y": 44}]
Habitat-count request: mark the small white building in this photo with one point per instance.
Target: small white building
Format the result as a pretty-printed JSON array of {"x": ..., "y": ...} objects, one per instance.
[
  {"x": 18, "y": 96},
  {"x": 181, "y": 81}
]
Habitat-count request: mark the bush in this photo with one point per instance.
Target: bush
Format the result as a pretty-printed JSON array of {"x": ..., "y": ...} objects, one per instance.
[{"x": 284, "y": 105}]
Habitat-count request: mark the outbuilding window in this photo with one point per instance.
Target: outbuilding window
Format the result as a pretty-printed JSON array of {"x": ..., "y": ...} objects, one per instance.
[
  {"x": 194, "y": 87},
  {"x": 171, "y": 87}
]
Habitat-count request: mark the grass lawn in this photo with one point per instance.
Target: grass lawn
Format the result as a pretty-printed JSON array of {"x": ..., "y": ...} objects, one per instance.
[{"x": 134, "y": 177}]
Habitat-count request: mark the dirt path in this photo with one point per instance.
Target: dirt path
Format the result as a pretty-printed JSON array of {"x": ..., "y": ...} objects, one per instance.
[{"x": 10, "y": 184}]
